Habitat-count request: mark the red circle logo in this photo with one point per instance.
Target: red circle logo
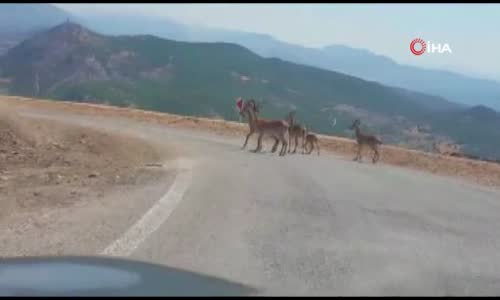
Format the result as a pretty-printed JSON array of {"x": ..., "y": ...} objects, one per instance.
[{"x": 422, "y": 46}]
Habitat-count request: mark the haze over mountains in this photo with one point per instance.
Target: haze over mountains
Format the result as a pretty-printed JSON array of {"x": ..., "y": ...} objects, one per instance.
[
  {"x": 30, "y": 17},
  {"x": 361, "y": 63},
  {"x": 71, "y": 62},
  {"x": 20, "y": 21},
  {"x": 356, "y": 62}
]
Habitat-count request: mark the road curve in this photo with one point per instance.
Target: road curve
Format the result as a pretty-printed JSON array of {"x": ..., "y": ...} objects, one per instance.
[{"x": 309, "y": 225}]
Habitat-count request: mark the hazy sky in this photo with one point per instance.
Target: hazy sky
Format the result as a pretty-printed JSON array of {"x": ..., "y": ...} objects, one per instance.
[{"x": 471, "y": 30}]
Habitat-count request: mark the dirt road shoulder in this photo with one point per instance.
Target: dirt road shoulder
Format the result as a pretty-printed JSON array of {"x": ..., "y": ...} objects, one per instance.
[{"x": 57, "y": 181}]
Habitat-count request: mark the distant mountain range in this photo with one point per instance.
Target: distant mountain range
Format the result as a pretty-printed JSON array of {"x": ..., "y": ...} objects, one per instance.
[
  {"x": 73, "y": 63},
  {"x": 355, "y": 62},
  {"x": 20, "y": 21},
  {"x": 29, "y": 17}
]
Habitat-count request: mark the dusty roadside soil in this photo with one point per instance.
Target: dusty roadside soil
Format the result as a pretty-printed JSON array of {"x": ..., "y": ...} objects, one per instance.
[
  {"x": 484, "y": 173},
  {"x": 46, "y": 166}
]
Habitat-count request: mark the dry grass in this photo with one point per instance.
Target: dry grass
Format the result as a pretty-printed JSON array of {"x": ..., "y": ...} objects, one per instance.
[
  {"x": 484, "y": 173},
  {"x": 45, "y": 164}
]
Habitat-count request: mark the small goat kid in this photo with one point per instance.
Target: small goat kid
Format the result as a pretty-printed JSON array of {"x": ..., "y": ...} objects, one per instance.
[
  {"x": 277, "y": 129},
  {"x": 312, "y": 140},
  {"x": 364, "y": 139}
]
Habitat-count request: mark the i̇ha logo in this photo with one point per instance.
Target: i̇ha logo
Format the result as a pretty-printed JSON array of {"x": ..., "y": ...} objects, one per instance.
[{"x": 419, "y": 46}]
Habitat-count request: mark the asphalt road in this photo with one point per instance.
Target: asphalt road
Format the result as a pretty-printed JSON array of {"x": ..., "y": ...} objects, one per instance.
[{"x": 309, "y": 225}]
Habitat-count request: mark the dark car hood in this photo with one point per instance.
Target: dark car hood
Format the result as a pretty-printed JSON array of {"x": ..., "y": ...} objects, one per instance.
[{"x": 103, "y": 276}]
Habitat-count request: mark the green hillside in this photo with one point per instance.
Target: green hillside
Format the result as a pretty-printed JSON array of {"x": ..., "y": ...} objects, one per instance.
[{"x": 204, "y": 79}]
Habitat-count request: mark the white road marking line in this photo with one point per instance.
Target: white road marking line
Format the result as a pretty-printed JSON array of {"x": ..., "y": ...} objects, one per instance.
[{"x": 155, "y": 216}]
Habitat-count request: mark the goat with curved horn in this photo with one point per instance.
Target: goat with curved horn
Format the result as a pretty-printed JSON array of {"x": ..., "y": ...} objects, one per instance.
[{"x": 277, "y": 129}]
